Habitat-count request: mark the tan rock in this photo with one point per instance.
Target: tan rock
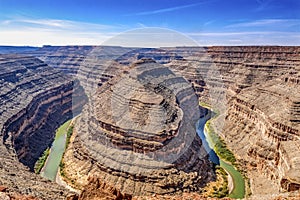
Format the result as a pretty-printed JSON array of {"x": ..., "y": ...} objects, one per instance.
[{"x": 138, "y": 131}]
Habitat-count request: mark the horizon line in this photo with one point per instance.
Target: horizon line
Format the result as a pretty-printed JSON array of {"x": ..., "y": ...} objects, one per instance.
[{"x": 89, "y": 45}]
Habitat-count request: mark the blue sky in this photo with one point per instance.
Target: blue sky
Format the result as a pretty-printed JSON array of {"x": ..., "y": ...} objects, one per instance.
[{"x": 209, "y": 22}]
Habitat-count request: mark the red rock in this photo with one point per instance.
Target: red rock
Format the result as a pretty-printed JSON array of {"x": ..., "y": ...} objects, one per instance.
[{"x": 3, "y": 188}]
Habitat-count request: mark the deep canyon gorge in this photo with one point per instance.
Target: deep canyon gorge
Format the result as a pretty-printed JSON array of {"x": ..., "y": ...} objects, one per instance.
[{"x": 135, "y": 135}]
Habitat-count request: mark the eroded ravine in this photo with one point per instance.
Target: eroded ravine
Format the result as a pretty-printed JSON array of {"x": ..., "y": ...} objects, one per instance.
[
  {"x": 249, "y": 89},
  {"x": 238, "y": 190},
  {"x": 35, "y": 100},
  {"x": 141, "y": 135},
  {"x": 51, "y": 167}
]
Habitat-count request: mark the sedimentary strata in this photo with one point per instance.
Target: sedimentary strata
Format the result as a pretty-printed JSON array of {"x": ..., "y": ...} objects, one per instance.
[
  {"x": 35, "y": 99},
  {"x": 138, "y": 134},
  {"x": 257, "y": 86},
  {"x": 258, "y": 90},
  {"x": 263, "y": 114},
  {"x": 254, "y": 88}
]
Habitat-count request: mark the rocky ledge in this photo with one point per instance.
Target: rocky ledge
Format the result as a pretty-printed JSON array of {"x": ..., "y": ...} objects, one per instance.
[
  {"x": 138, "y": 134},
  {"x": 259, "y": 86},
  {"x": 35, "y": 99},
  {"x": 262, "y": 123}
]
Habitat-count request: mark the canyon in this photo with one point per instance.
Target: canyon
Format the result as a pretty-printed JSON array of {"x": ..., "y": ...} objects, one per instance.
[
  {"x": 255, "y": 90},
  {"x": 138, "y": 133},
  {"x": 35, "y": 99}
]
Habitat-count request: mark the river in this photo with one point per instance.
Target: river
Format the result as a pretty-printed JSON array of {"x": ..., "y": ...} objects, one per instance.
[
  {"x": 57, "y": 149},
  {"x": 51, "y": 167},
  {"x": 238, "y": 190}
]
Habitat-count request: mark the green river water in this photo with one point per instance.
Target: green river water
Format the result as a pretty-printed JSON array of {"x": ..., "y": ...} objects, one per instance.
[
  {"x": 238, "y": 191},
  {"x": 51, "y": 167}
]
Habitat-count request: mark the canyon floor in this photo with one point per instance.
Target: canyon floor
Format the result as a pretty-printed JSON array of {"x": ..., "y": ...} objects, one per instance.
[{"x": 135, "y": 137}]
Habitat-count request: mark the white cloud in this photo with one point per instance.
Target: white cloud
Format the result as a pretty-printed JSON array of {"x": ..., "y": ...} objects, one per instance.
[
  {"x": 41, "y": 37},
  {"x": 226, "y": 33},
  {"x": 247, "y": 38},
  {"x": 38, "y": 32},
  {"x": 267, "y": 22},
  {"x": 209, "y": 22},
  {"x": 56, "y": 23}
]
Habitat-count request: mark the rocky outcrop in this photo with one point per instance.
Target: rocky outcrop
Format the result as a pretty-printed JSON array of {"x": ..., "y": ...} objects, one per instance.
[
  {"x": 257, "y": 89},
  {"x": 97, "y": 189},
  {"x": 264, "y": 123},
  {"x": 254, "y": 88},
  {"x": 72, "y": 59},
  {"x": 138, "y": 134},
  {"x": 263, "y": 111},
  {"x": 242, "y": 82},
  {"x": 35, "y": 100},
  {"x": 289, "y": 165},
  {"x": 16, "y": 49},
  {"x": 67, "y": 58}
]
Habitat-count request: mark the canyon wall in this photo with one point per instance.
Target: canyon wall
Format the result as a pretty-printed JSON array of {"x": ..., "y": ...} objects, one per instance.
[
  {"x": 262, "y": 115},
  {"x": 255, "y": 89},
  {"x": 138, "y": 134},
  {"x": 35, "y": 100}
]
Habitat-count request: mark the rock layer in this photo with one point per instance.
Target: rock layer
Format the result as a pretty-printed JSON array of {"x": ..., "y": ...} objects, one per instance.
[
  {"x": 243, "y": 82},
  {"x": 35, "y": 99},
  {"x": 262, "y": 91},
  {"x": 138, "y": 133},
  {"x": 256, "y": 87}
]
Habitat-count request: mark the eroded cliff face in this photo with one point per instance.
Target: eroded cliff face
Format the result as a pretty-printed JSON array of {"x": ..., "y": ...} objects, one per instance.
[
  {"x": 256, "y": 92},
  {"x": 35, "y": 100},
  {"x": 67, "y": 58},
  {"x": 262, "y": 113},
  {"x": 77, "y": 59},
  {"x": 255, "y": 89},
  {"x": 138, "y": 134},
  {"x": 260, "y": 119}
]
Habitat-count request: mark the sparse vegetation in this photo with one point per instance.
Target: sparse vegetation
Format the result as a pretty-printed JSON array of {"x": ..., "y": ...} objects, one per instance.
[
  {"x": 218, "y": 188},
  {"x": 68, "y": 138},
  {"x": 41, "y": 161},
  {"x": 69, "y": 134},
  {"x": 248, "y": 186},
  {"x": 62, "y": 164},
  {"x": 226, "y": 157},
  {"x": 205, "y": 105},
  {"x": 219, "y": 145}
]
